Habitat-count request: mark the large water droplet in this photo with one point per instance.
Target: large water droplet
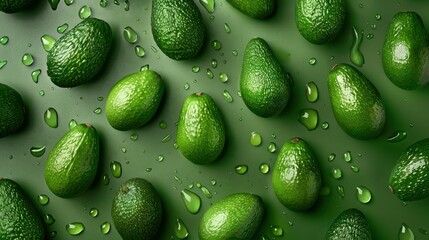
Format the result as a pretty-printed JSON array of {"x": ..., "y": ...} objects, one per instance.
[
  {"x": 241, "y": 169},
  {"x": 348, "y": 156},
  {"x": 48, "y": 219},
  {"x": 62, "y": 28},
  {"x": 116, "y": 169},
  {"x": 139, "y": 51},
  {"x": 311, "y": 92},
  {"x": 272, "y": 147},
  {"x": 69, "y": 2},
  {"x": 37, "y": 151},
  {"x": 35, "y": 75},
  {"x": 47, "y": 42},
  {"x": 27, "y": 59},
  {"x": 209, "y": 5},
  {"x": 337, "y": 173},
  {"x": 130, "y": 35},
  {"x": 4, "y": 40},
  {"x": 255, "y": 139},
  {"x": 264, "y": 168},
  {"x": 405, "y": 233},
  {"x": 356, "y": 56},
  {"x": 192, "y": 201},
  {"x": 363, "y": 194},
  {"x": 75, "y": 228},
  {"x": 51, "y": 117},
  {"x": 309, "y": 118},
  {"x": 181, "y": 230},
  {"x": 85, "y": 12},
  {"x": 105, "y": 228},
  {"x": 43, "y": 199},
  {"x": 72, "y": 123}
]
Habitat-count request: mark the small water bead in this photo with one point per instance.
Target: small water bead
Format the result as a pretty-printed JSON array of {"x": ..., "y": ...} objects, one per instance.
[
  {"x": 378, "y": 16},
  {"x": 139, "y": 51},
  {"x": 178, "y": 180},
  {"x": 2, "y": 63},
  {"x": 51, "y": 117},
  {"x": 216, "y": 45},
  {"x": 363, "y": 194},
  {"x": 213, "y": 182},
  {"x": 62, "y": 28},
  {"x": 234, "y": 53},
  {"x": 27, "y": 59},
  {"x": 348, "y": 156},
  {"x": 42, "y": 93},
  {"x": 35, "y": 75},
  {"x": 309, "y": 118},
  {"x": 134, "y": 137},
  {"x": 209, "y": 73},
  {"x": 103, "y": 3},
  {"x": 223, "y": 77},
  {"x": 105, "y": 179},
  {"x": 212, "y": 17},
  {"x": 337, "y": 173},
  {"x": 241, "y": 169},
  {"x": 186, "y": 86},
  {"x": 75, "y": 228},
  {"x": 163, "y": 124},
  {"x": 4, "y": 40},
  {"x": 311, "y": 92},
  {"x": 214, "y": 63},
  {"x": 72, "y": 123},
  {"x": 43, "y": 199},
  {"x": 93, "y": 212},
  {"x": 228, "y": 97},
  {"x": 264, "y": 168},
  {"x": 116, "y": 2},
  {"x": 340, "y": 189},
  {"x": 154, "y": 49},
  {"x": 48, "y": 219},
  {"x": 191, "y": 200},
  {"x": 255, "y": 139},
  {"x": 130, "y": 35},
  {"x": 105, "y": 228},
  {"x": 85, "y": 12},
  {"x": 277, "y": 231},
  {"x": 148, "y": 170},
  {"x": 206, "y": 192},
  {"x": 354, "y": 168},
  {"x": 54, "y": 4},
  {"x": 397, "y": 136},
  {"x": 272, "y": 147},
  {"x": 312, "y": 61},
  {"x": 144, "y": 67},
  {"x": 373, "y": 26},
  {"x": 195, "y": 69},
  {"x": 127, "y": 5},
  {"x": 100, "y": 99},
  {"x": 226, "y": 28},
  {"x": 97, "y": 110},
  {"x": 47, "y": 42},
  {"x": 369, "y": 36},
  {"x": 160, "y": 158},
  {"x": 209, "y": 5},
  {"x": 405, "y": 233},
  {"x": 37, "y": 151},
  {"x": 181, "y": 230},
  {"x": 116, "y": 169},
  {"x": 325, "y": 125}
]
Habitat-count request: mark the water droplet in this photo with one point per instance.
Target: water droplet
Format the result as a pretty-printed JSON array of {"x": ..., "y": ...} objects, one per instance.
[
  {"x": 167, "y": 138},
  {"x": 212, "y": 17},
  {"x": 35, "y": 75},
  {"x": 355, "y": 54},
  {"x": 127, "y": 5},
  {"x": 163, "y": 124},
  {"x": 100, "y": 99},
  {"x": 42, "y": 93},
  {"x": 144, "y": 67},
  {"x": 223, "y": 77},
  {"x": 72, "y": 124},
  {"x": 139, "y": 50},
  {"x": 272, "y": 147},
  {"x": 214, "y": 63},
  {"x": 97, "y": 110},
  {"x": 340, "y": 189},
  {"x": 105, "y": 179},
  {"x": 93, "y": 212},
  {"x": 337, "y": 173},
  {"x": 75, "y": 228},
  {"x": 277, "y": 231},
  {"x": 423, "y": 231},
  {"x": 331, "y": 157},
  {"x": 116, "y": 2},
  {"x": 209, "y": 73},
  {"x": 348, "y": 156},
  {"x": 195, "y": 69},
  {"x": 264, "y": 168},
  {"x": 354, "y": 168},
  {"x": 325, "y": 191},
  {"x": 54, "y": 4},
  {"x": 234, "y": 53},
  {"x": 397, "y": 136},
  {"x": 178, "y": 180},
  {"x": 363, "y": 194},
  {"x": 186, "y": 86},
  {"x": 405, "y": 233},
  {"x": 27, "y": 59},
  {"x": 213, "y": 182},
  {"x": 308, "y": 117},
  {"x": 312, "y": 61},
  {"x": 373, "y": 26},
  {"x": 37, "y": 151},
  {"x": 361, "y": 5},
  {"x": 216, "y": 45},
  {"x": 206, "y": 192},
  {"x": 4, "y": 40},
  {"x": 209, "y": 5},
  {"x": 241, "y": 169},
  {"x": 228, "y": 97},
  {"x": 85, "y": 12},
  {"x": 116, "y": 169},
  {"x": 51, "y": 117},
  {"x": 48, "y": 219},
  {"x": 369, "y": 36},
  {"x": 325, "y": 125},
  {"x": 192, "y": 201},
  {"x": 148, "y": 169},
  {"x": 43, "y": 199},
  {"x": 160, "y": 158},
  {"x": 227, "y": 28},
  {"x": 62, "y": 28},
  {"x": 105, "y": 228},
  {"x": 130, "y": 35},
  {"x": 312, "y": 92},
  {"x": 2, "y": 63},
  {"x": 378, "y": 16},
  {"x": 255, "y": 139},
  {"x": 181, "y": 230},
  {"x": 47, "y": 42},
  {"x": 134, "y": 136},
  {"x": 103, "y": 3},
  {"x": 153, "y": 49}
]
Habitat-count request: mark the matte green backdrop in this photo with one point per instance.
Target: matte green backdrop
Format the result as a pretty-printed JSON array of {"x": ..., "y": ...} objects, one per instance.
[{"x": 406, "y": 110}]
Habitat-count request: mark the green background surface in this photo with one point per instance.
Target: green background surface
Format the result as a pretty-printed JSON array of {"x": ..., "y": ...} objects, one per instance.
[{"x": 406, "y": 110}]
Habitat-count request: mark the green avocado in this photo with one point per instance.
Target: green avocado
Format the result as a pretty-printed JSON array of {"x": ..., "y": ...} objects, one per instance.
[
  {"x": 12, "y": 110},
  {"x": 13, "y": 6},
  {"x": 351, "y": 224},
  {"x": 254, "y": 8}
]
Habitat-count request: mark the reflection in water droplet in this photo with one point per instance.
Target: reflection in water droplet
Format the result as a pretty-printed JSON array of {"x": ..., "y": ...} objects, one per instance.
[
  {"x": 277, "y": 231},
  {"x": 272, "y": 147},
  {"x": 139, "y": 51},
  {"x": 325, "y": 125},
  {"x": 312, "y": 61},
  {"x": 216, "y": 45},
  {"x": 4, "y": 40},
  {"x": 209, "y": 73},
  {"x": 93, "y": 212},
  {"x": 348, "y": 156},
  {"x": 354, "y": 168},
  {"x": 72, "y": 124},
  {"x": 54, "y": 4},
  {"x": 2, "y": 63},
  {"x": 130, "y": 35},
  {"x": 223, "y": 77},
  {"x": 214, "y": 63},
  {"x": 227, "y": 28},
  {"x": 340, "y": 189}
]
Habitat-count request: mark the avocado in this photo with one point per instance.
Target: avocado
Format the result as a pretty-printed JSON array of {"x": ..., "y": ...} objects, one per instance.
[
  {"x": 356, "y": 102},
  {"x": 259, "y": 9},
  {"x": 296, "y": 176},
  {"x": 405, "y": 53},
  {"x": 320, "y": 21},
  {"x": 351, "y": 224},
  {"x": 13, "y": 6},
  {"x": 177, "y": 28},
  {"x": 72, "y": 163},
  {"x": 137, "y": 210},
  {"x": 79, "y": 54},
  {"x": 409, "y": 179},
  {"x": 12, "y": 110},
  {"x": 200, "y": 130},
  {"x": 20, "y": 219},
  {"x": 264, "y": 85},
  {"x": 134, "y": 100},
  {"x": 236, "y": 216}
]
